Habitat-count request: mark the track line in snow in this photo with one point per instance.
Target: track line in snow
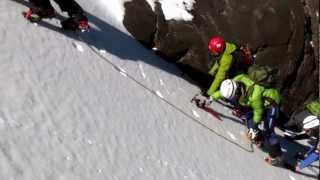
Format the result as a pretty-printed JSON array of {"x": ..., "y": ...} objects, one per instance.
[
  {"x": 231, "y": 135},
  {"x": 78, "y": 47},
  {"x": 123, "y": 72},
  {"x": 161, "y": 82},
  {"x": 142, "y": 71},
  {"x": 102, "y": 51},
  {"x": 292, "y": 178},
  {"x": 195, "y": 113},
  {"x": 159, "y": 94}
]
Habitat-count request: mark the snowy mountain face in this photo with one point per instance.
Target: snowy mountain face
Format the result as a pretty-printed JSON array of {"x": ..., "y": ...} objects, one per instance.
[{"x": 101, "y": 106}]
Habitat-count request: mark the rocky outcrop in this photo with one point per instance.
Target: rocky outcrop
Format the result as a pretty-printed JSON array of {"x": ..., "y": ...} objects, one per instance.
[
  {"x": 278, "y": 32},
  {"x": 303, "y": 84},
  {"x": 140, "y": 21}
]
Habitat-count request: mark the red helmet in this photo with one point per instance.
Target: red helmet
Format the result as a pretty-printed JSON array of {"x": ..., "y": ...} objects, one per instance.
[{"x": 217, "y": 44}]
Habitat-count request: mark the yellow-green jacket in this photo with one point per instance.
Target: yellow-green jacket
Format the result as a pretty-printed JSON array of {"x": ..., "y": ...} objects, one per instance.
[{"x": 221, "y": 68}]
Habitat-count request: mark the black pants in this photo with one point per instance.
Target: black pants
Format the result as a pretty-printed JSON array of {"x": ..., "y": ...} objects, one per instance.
[{"x": 70, "y": 6}]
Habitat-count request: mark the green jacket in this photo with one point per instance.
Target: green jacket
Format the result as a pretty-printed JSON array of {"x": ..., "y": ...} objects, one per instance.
[
  {"x": 314, "y": 107},
  {"x": 221, "y": 68},
  {"x": 254, "y": 100}
]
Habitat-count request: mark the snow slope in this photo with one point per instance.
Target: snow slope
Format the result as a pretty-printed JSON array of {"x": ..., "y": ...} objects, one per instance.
[{"x": 100, "y": 106}]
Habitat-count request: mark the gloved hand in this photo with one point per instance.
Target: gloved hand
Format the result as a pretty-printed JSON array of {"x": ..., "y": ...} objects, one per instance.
[
  {"x": 216, "y": 96},
  {"x": 252, "y": 134},
  {"x": 204, "y": 93},
  {"x": 241, "y": 114},
  {"x": 237, "y": 112},
  {"x": 202, "y": 102},
  {"x": 205, "y": 102}
]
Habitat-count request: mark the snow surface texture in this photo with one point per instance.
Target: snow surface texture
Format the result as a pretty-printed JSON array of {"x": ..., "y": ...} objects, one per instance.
[
  {"x": 172, "y": 9},
  {"x": 99, "y": 106}
]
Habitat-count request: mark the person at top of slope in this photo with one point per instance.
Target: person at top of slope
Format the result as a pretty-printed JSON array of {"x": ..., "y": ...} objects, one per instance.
[{"x": 44, "y": 9}]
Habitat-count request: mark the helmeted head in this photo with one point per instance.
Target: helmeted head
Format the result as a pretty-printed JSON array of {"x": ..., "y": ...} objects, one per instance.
[
  {"x": 217, "y": 45},
  {"x": 311, "y": 122},
  {"x": 229, "y": 88}
]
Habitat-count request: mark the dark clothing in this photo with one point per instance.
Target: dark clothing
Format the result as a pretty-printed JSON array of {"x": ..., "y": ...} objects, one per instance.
[
  {"x": 272, "y": 142},
  {"x": 70, "y": 6},
  {"x": 271, "y": 114},
  {"x": 240, "y": 63},
  {"x": 312, "y": 155}
]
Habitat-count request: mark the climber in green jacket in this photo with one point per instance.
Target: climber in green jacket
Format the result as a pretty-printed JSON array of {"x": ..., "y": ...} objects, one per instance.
[
  {"x": 245, "y": 92},
  {"x": 264, "y": 103},
  {"x": 223, "y": 50}
]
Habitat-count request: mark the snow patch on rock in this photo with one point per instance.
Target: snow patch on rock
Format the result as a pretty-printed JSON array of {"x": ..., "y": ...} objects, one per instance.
[
  {"x": 177, "y": 9},
  {"x": 115, "y": 8},
  {"x": 172, "y": 9}
]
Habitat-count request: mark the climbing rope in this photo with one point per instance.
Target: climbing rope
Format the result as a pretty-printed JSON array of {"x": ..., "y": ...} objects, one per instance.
[{"x": 120, "y": 70}]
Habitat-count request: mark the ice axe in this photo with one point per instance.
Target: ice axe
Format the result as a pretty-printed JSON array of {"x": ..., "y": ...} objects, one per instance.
[{"x": 202, "y": 105}]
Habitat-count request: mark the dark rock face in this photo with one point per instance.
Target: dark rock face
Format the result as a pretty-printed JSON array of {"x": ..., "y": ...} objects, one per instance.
[
  {"x": 304, "y": 85},
  {"x": 140, "y": 21},
  {"x": 276, "y": 31}
]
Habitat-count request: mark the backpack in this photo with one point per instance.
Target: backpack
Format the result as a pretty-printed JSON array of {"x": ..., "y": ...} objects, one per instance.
[
  {"x": 242, "y": 60},
  {"x": 262, "y": 75},
  {"x": 246, "y": 55}
]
